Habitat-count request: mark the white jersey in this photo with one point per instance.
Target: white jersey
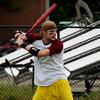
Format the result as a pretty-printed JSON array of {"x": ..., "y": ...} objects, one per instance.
[{"x": 48, "y": 69}]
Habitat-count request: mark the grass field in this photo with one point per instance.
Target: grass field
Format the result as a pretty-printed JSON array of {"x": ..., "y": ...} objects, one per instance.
[
  {"x": 88, "y": 96},
  {"x": 25, "y": 92},
  {"x": 15, "y": 92}
]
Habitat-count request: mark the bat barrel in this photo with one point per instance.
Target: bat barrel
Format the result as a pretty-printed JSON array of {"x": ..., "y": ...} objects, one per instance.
[{"x": 41, "y": 19}]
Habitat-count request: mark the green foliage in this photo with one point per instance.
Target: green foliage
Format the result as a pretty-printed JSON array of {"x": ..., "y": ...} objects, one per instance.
[
  {"x": 15, "y": 92},
  {"x": 64, "y": 12},
  {"x": 69, "y": 12},
  {"x": 90, "y": 96}
]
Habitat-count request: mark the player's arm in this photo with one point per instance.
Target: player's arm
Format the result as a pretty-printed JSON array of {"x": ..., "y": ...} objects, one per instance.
[
  {"x": 37, "y": 52},
  {"x": 55, "y": 48}
]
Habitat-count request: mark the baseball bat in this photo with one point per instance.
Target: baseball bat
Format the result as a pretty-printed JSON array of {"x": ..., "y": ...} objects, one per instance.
[{"x": 40, "y": 20}]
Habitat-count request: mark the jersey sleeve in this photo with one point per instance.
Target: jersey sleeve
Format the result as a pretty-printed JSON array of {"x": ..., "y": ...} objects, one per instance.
[
  {"x": 33, "y": 37},
  {"x": 56, "y": 47}
]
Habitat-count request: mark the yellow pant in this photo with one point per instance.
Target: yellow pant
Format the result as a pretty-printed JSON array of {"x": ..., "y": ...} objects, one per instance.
[{"x": 60, "y": 90}]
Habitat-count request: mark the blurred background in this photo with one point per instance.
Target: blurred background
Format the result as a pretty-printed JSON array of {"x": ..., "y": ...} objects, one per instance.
[{"x": 24, "y": 13}]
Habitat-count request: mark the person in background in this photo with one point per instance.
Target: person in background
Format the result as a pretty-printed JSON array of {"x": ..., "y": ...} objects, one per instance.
[
  {"x": 50, "y": 76},
  {"x": 75, "y": 6},
  {"x": 78, "y": 5}
]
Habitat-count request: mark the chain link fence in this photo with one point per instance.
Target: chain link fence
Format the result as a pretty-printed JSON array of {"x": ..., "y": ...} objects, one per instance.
[{"x": 21, "y": 87}]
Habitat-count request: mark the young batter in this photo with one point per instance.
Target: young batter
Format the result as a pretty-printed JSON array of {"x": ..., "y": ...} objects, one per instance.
[{"x": 50, "y": 75}]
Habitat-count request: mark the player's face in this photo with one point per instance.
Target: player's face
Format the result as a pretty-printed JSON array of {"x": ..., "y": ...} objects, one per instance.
[{"x": 51, "y": 34}]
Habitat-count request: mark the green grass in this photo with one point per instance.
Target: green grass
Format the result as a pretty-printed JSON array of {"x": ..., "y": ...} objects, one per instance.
[
  {"x": 15, "y": 92},
  {"x": 90, "y": 96},
  {"x": 25, "y": 92}
]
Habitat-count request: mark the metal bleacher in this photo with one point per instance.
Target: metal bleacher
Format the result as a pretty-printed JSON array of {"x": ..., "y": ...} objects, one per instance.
[{"x": 82, "y": 57}]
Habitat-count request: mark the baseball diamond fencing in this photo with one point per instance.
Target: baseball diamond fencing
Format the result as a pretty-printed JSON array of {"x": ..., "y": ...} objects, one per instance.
[{"x": 81, "y": 59}]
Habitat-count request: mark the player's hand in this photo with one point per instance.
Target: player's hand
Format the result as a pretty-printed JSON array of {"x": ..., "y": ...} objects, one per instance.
[{"x": 20, "y": 34}]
